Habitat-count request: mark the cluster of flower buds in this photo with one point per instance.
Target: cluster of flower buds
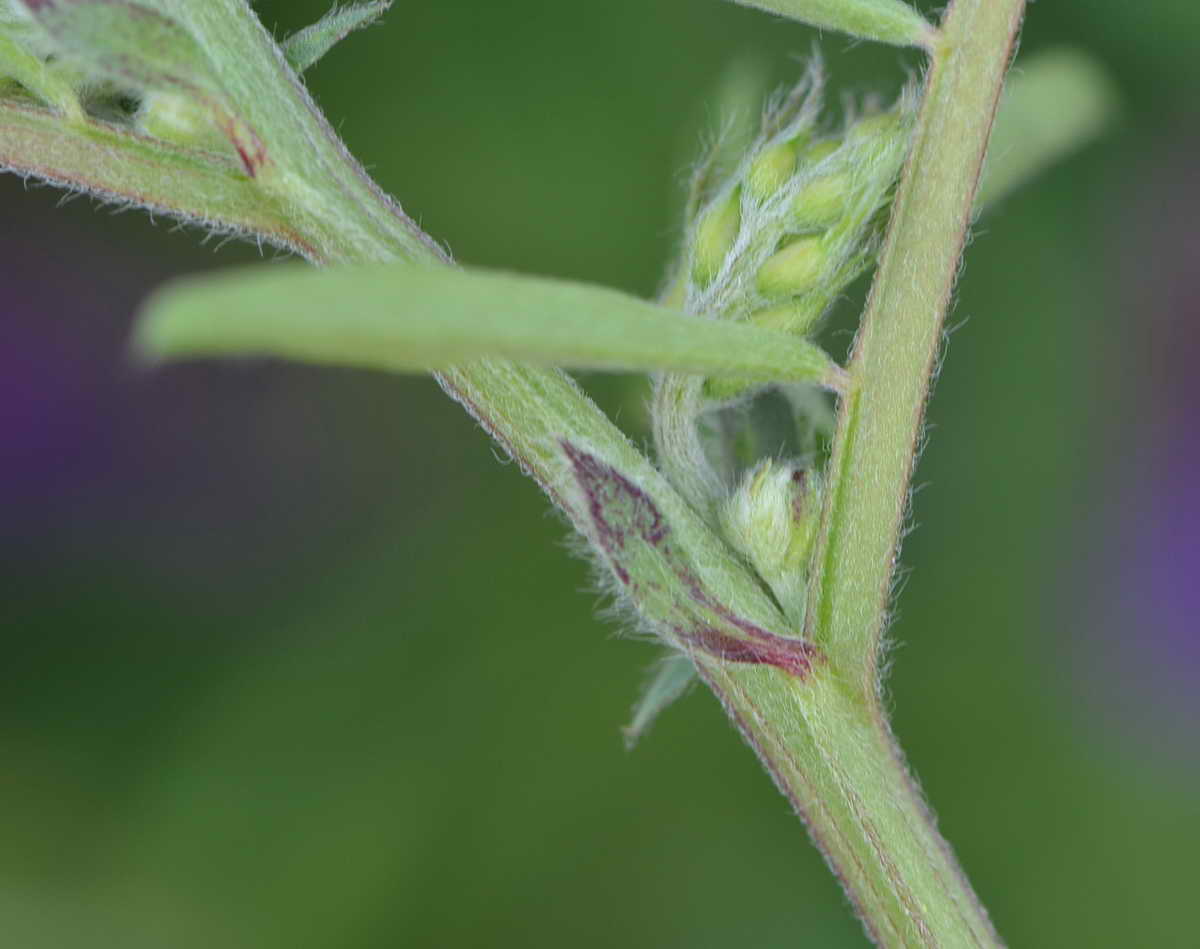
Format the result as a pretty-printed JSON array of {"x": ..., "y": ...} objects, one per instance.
[{"x": 801, "y": 216}]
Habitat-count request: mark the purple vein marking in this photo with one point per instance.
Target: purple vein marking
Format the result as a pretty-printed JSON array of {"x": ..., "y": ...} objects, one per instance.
[{"x": 623, "y": 514}]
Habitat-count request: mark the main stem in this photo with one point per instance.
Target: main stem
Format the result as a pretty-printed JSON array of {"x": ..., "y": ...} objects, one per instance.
[
  {"x": 832, "y": 755},
  {"x": 828, "y": 743}
]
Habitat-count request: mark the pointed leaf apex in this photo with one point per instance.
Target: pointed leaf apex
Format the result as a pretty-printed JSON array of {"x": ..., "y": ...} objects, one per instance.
[
  {"x": 302, "y": 49},
  {"x": 885, "y": 21}
]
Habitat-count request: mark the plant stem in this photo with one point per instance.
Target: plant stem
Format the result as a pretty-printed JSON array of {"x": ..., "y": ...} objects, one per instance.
[
  {"x": 821, "y": 733},
  {"x": 833, "y": 756},
  {"x": 822, "y": 736},
  {"x": 677, "y": 405},
  {"x": 827, "y": 741},
  {"x": 890, "y": 371}
]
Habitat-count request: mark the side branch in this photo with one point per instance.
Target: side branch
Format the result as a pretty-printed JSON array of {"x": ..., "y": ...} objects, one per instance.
[{"x": 893, "y": 359}]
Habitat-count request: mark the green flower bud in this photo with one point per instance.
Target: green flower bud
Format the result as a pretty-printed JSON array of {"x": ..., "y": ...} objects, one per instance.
[
  {"x": 807, "y": 501},
  {"x": 820, "y": 151},
  {"x": 874, "y": 130},
  {"x": 675, "y": 294},
  {"x": 822, "y": 202},
  {"x": 770, "y": 170},
  {"x": 772, "y": 519},
  {"x": 796, "y": 269},
  {"x": 795, "y": 316},
  {"x": 715, "y": 236}
]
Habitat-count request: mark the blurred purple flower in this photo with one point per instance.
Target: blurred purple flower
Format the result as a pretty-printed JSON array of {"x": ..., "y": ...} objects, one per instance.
[{"x": 1148, "y": 605}]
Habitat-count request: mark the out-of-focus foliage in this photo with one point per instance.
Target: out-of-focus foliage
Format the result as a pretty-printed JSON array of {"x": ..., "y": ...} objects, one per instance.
[{"x": 290, "y": 660}]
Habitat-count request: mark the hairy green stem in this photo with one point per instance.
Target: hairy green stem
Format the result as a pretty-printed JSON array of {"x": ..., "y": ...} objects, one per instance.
[
  {"x": 873, "y": 825},
  {"x": 891, "y": 368},
  {"x": 678, "y": 401},
  {"x": 825, "y": 738},
  {"x": 834, "y": 758}
]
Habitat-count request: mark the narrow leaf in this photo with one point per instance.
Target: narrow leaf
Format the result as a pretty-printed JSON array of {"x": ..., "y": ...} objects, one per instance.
[
  {"x": 302, "y": 49},
  {"x": 670, "y": 680},
  {"x": 1054, "y": 104},
  {"x": 886, "y": 21},
  {"x": 406, "y": 317}
]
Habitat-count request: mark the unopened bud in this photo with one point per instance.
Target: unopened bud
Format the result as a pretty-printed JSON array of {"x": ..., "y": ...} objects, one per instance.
[
  {"x": 795, "y": 317},
  {"x": 794, "y": 270},
  {"x": 820, "y": 151},
  {"x": 675, "y": 294},
  {"x": 874, "y": 130},
  {"x": 772, "y": 518},
  {"x": 822, "y": 202},
  {"x": 770, "y": 171},
  {"x": 715, "y": 236}
]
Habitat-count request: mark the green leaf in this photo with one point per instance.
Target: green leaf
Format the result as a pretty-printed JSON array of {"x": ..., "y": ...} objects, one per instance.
[
  {"x": 1053, "y": 104},
  {"x": 407, "y": 317},
  {"x": 308, "y": 45},
  {"x": 669, "y": 681},
  {"x": 886, "y": 21}
]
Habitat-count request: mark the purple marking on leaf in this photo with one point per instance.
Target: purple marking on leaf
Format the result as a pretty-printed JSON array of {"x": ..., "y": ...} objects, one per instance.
[
  {"x": 800, "y": 480},
  {"x": 607, "y": 489},
  {"x": 802, "y": 653},
  {"x": 794, "y": 655},
  {"x": 791, "y": 655},
  {"x": 621, "y": 513}
]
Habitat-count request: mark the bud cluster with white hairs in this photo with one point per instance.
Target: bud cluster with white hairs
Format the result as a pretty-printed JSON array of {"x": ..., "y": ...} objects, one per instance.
[{"x": 799, "y": 218}]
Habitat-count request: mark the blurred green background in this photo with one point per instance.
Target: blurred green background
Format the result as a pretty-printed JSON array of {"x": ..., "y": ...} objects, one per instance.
[{"x": 290, "y": 660}]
